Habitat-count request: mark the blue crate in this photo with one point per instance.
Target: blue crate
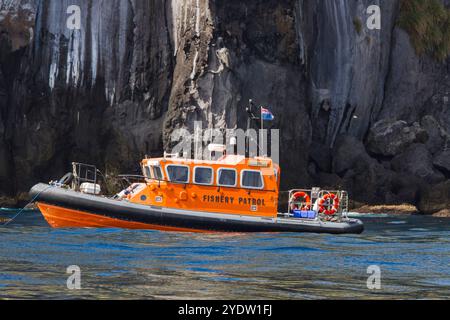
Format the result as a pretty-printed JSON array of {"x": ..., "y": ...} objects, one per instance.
[{"x": 304, "y": 214}]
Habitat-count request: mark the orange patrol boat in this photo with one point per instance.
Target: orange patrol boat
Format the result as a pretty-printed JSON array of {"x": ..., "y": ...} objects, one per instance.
[{"x": 231, "y": 194}]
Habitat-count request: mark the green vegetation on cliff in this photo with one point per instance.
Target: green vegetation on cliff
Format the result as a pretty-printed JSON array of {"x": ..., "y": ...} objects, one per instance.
[{"x": 428, "y": 24}]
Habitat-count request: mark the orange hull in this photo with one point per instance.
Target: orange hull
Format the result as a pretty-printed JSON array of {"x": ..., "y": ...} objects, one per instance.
[{"x": 59, "y": 217}]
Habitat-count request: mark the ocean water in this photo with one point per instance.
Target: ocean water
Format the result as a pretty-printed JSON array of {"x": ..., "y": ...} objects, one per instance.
[{"x": 411, "y": 252}]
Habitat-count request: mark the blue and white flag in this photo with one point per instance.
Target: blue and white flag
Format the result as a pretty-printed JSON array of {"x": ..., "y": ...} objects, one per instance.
[{"x": 266, "y": 115}]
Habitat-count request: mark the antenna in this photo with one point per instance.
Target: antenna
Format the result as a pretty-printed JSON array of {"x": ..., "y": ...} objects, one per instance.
[{"x": 249, "y": 125}]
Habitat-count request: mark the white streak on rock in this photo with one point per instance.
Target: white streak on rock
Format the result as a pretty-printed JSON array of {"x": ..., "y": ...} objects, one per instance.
[
  {"x": 53, "y": 74},
  {"x": 194, "y": 65},
  {"x": 197, "y": 18},
  {"x": 73, "y": 59}
]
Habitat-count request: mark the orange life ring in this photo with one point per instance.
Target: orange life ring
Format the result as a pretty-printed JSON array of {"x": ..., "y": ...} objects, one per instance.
[
  {"x": 335, "y": 204},
  {"x": 305, "y": 197}
]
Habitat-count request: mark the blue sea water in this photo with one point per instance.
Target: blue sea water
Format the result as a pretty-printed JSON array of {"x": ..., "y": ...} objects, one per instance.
[{"x": 412, "y": 252}]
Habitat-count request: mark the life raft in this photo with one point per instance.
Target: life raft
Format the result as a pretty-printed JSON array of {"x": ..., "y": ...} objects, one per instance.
[
  {"x": 329, "y": 204},
  {"x": 304, "y": 198}
]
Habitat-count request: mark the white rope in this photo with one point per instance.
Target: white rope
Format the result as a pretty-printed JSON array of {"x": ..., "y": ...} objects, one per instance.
[{"x": 23, "y": 209}]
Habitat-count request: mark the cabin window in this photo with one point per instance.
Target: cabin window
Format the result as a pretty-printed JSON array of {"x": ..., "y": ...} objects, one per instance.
[
  {"x": 227, "y": 177},
  {"x": 157, "y": 173},
  {"x": 203, "y": 175},
  {"x": 252, "y": 179},
  {"x": 147, "y": 172},
  {"x": 178, "y": 174}
]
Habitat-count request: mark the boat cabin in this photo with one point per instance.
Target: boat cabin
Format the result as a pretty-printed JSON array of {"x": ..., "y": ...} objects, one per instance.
[{"x": 232, "y": 184}]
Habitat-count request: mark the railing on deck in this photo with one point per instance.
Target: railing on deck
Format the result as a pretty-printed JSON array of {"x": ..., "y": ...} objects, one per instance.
[
  {"x": 83, "y": 173},
  {"x": 315, "y": 195}
]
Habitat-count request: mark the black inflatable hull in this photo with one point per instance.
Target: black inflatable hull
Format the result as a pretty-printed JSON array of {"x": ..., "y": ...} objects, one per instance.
[{"x": 66, "y": 208}]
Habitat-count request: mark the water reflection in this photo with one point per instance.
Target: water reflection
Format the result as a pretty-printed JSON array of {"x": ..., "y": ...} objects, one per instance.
[{"x": 414, "y": 257}]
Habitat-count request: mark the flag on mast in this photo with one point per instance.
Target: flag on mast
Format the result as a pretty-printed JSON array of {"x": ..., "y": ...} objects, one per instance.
[{"x": 266, "y": 115}]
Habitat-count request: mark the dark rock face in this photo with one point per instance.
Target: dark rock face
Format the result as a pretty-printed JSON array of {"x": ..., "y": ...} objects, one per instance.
[
  {"x": 347, "y": 152},
  {"x": 442, "y": 161},
  {"x": 436, "y": 135},
  {"x": 417, "y": 161},
  {"x": 357, "y": 108},
  {"x": 259, "y": 43},
  {"x": 348, "y": 66},
  {"x": 364, "y": 175},
  {"x": 97, "y": 94},
  {"x": 435, "y": 198},
  {"x": 389, "y": 138}
]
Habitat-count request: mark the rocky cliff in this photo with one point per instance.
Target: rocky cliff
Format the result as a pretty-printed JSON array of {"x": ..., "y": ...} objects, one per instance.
[{"x": 358, "y": 108}]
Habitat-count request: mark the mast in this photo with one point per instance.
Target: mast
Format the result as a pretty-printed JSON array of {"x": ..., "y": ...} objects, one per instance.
[
  {"x": 251, "y": 117},
  {"x": 261, "y": 137}
]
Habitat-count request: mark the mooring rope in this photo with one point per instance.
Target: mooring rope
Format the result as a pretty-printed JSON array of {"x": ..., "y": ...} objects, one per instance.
[{"x": 23, "y": 209}]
